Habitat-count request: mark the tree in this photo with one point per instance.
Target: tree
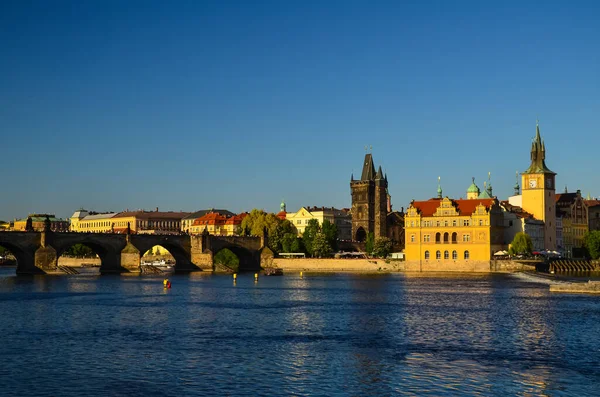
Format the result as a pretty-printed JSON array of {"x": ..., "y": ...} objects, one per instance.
[
  {"x": 255, "y": 223},
  {"x": 521, "y": 244},
  {"x": 3, "y": 251},
  {"x": 80, "y": 251},
  {"x": 150, "y": 251},
  {"x": 591, "y": 241},
  {"x": 320, "y": 246},
  {"x": 227, "y": 258},
  {"x": 311, "y": 230},
  {"x": 330, "y": 231},
  {"x": 382, "y": 247},
  {"x": 282, "y": 229},
  {"x": 369, "y": 243}
]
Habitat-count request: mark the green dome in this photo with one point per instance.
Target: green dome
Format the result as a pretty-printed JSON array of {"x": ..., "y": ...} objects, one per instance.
[{"x": 473, "y": 188}]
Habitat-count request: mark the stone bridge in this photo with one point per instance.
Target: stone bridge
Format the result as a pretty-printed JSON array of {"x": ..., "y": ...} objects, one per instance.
[{"x": 38, "y": 252}]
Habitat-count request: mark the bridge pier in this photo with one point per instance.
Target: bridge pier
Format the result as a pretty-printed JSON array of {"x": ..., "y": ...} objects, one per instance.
[{"x": 130, "y": 258}]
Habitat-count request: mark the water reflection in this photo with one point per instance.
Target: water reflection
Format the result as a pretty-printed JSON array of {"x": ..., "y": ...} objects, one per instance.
[{"x": 317, "y": 335}]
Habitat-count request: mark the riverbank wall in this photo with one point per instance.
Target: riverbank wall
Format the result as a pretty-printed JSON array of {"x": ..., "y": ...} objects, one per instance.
[
  {"x": 78, "y": 262},
  {"x": 380, "y": 265}
]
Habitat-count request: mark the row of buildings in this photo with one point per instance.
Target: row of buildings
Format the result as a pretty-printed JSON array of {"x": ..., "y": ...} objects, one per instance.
[{"x": 451, "y": 232}]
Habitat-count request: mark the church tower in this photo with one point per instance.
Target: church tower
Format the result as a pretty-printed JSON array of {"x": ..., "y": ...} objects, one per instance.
[
  {"x": 369, "y": 202},
  {"x": 538, "y": 190}
]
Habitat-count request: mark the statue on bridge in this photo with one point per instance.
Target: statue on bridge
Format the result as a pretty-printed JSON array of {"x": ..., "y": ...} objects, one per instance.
[
  {"x": 47, "y": 224},
  {"x": 29, "y": 225}
]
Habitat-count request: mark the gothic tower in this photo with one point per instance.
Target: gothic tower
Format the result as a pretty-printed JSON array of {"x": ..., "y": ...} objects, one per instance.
[
  {"x": 369, "y": 202},
  {"x": 538, "y": 190}
]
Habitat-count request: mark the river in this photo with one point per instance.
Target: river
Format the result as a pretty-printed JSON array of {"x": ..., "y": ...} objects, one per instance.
[{"x": 317, "y": 335}]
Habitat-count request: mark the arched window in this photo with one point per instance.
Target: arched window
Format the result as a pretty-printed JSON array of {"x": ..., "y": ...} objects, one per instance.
[
  {"x": 426, "y": 255},
  {"x": 446, "y": 255},
  {"x": 438, "y": 255},
  {"x": 438, "y": 236},
  {"x": 481, "y": 222},
  {"x": 454, "y": 255},
  {"x": 466, "y": 254},
  {"x": 446, "y": 238},
  {"x": 454, "y": 236},
  {"x": 454, "y": 222}
]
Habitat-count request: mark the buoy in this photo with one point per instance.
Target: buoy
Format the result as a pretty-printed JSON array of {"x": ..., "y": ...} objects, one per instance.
[
  {"x": 301, "y": 275},
  {"x": 234, "y": 276},
  {"x": 255, "y": 277},
  {"x": 169, "y": 285},
  {"x": 165, "y": 282}
]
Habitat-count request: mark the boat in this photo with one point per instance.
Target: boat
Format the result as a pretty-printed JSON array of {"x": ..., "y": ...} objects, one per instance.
[{"x": 273, "y": 271}]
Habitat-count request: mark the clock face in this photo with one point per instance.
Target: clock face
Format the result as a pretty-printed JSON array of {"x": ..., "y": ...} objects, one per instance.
[{"x": 532, "y": 183}]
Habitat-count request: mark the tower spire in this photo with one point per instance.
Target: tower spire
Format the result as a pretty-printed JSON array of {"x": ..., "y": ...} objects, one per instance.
[
  {"x": 439, "y": 189},
  {"x": 517, "y": 187},
  {"x": 538, "y": 154}
]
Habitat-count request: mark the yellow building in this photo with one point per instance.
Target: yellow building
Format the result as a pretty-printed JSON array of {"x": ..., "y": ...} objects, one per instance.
[
  {"x": 538, "y": 195},
  {"x": 150, "y": 222},
  {"x": 38, "y": 223},
  {"x": 341, "y": 218},
  {"x": 91, "y": 222},
  {"x": 443, "y": 234}
]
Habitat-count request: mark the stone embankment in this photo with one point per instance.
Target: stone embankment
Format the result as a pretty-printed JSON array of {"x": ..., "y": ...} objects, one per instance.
[
  {"x": 336, "y": 265},
  {"x": 78, "y": 262},
  {"x": 591, "y": 287},
  {"x": 380, "y": 265}
]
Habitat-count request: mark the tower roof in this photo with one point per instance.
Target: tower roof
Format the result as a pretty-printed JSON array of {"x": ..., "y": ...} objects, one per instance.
[
  {"x": 538, "y": 155},
  {"x": 368, "y": 172},
  {"x": 473, "y": 188}
]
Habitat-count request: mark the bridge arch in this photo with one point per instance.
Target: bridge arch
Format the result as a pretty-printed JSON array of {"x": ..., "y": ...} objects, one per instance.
[
  {"x": 175, "y": 245},
  {"x": 247, "y": 260}
]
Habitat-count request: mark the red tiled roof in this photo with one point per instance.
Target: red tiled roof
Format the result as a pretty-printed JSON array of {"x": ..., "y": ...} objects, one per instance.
[
  {"x": 592, "y": 203},
  {"x": 464, "y": 207},
  {"x": 211, "y": 218},
  {"x": 281, "y": 215},
  {"x": 236, "y": 219}
]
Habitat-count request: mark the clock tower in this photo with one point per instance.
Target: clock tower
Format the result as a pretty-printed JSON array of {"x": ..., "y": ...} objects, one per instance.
[{"x": 538, "y": 190}]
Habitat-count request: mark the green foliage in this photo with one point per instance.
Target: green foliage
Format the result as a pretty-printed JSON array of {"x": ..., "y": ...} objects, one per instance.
[
  {"x": 282, "y": 229},
  {"x": 370, "y": 243},
  {"x": 309, "y": 234},
  {"x": 521, "y": 244},
  {"x": 80, "y": 251},
  {"x": 330, "y": 231},
  {"x": 291, "y": 243},
  {"x": 255, "y": 223},
  {"x": 227, "y": 258},
  {"x": 382, "y": 247},
  {"x": 591, "y": 241},
  {"x": 3, "y": 251},
  {"x": 150, "y": 252},
  {"x": 320, "y": 246}
]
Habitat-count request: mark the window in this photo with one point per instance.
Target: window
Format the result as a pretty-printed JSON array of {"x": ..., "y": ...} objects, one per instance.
[
  {"x": 306, "y": 221},
  {"x": 445, "y": 223},
  {"x": 466, "y": 238},
  {"x": 437, "y": 223},
  {"x": 438, "y": 237},
  {"x": 438, "y": 255},
  {"x": 299, "y": 222},
  {"x": 412, "y": 238},
  {"x": 454, "y": 222},
  {"x": 446, "y": 238},
  {"x": 446, "y": 255},
  {"x": 466, "y": 254},
  {"x": 426, "y": 238},
  {"x": 454, "y": 255},
  {"x": 465, "y": 222},
  {"x": 412, "y": 223},
  {"x": 426, "y": 255},
  {"x": 454, "y": 235}
]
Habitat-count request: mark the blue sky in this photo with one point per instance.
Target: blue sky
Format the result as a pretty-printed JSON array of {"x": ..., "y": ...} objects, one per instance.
[{"x": 188, "y": 105}]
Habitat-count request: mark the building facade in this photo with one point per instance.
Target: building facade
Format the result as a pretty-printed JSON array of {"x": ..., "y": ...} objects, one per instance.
[
  {"x": 187, "y": 222},
  {"x": 446, "y": 234},
  {"x": 341, "y": 218},
  {"x": 148, "y": 222},
  {"x": 538, "y": 187},
  {"x": 37, "y": 222},
  {"x": 573, "y": 210},
  {"x": 369, "y": 202}
]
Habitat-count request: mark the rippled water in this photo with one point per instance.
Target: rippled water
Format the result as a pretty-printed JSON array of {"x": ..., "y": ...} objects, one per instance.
[{"x": 322, "y": 335}]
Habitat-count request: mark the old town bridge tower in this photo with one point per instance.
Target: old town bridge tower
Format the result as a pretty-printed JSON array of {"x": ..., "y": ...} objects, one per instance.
[{"x": 369, "y": 202}]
